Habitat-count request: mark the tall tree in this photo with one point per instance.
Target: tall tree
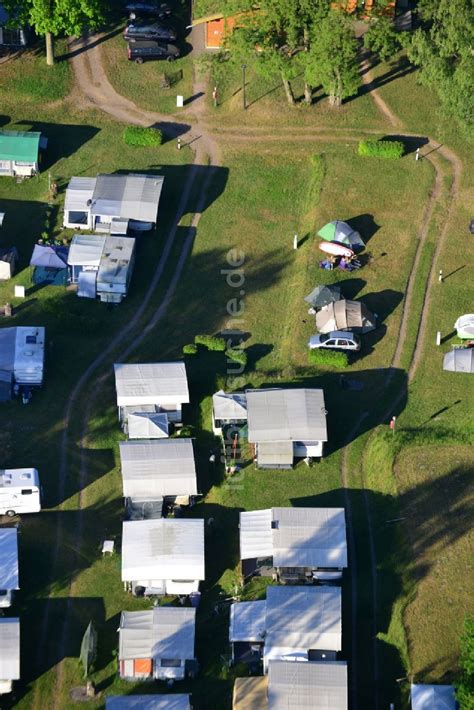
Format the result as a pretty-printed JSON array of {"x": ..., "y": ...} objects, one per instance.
[
  {"x": 49, "y": 18},
  {"x": 443, "y": 50},
  {"x": 382, "y": 38},
  {"x": 332, "y": 60}
]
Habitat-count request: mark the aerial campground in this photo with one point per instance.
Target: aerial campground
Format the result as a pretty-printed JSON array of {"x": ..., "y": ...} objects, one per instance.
[{"x": 236, "y": 354}]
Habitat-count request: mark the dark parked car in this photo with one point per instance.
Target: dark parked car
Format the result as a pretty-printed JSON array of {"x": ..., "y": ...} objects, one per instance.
[
  {"x": 147, "y": 31},
  {"x": 140, "y": 52},
  {"x": 148, "y": 9}
]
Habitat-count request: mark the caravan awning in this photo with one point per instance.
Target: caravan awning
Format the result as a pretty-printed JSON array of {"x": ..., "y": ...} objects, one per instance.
[
  {"x": 9, "y": 558},
  {"x": 10, "y": 649},
  {"x": 86, "y": 250},
  {"x": 459, "y": 360},
  {"x": 86, "y": 284}
]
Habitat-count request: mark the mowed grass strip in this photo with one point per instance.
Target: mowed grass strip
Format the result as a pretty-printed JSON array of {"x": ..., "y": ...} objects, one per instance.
[{"x": 436, "y": 505}]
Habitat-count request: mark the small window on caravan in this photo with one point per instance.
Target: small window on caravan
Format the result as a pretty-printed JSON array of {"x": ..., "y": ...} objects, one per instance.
[
  {"x": 31, "y": 339},
  {"x": 170, "y": 663},
  {"x": 26, "y": 492}
]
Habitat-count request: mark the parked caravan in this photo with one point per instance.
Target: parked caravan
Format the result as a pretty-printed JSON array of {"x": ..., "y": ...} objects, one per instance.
[{"x": 20, "y": 491}]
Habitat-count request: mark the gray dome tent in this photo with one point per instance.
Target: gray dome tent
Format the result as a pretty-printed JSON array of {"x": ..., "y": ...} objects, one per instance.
[
  {"x": 322, "y": 295},
  {"x": 345, "y": 315}
]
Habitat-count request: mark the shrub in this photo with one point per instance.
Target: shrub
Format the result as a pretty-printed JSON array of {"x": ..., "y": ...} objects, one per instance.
[
  {"x": 190, "y": 349},
  {"x": 139, "y": 136},
  {"x": 239, "y": 356},
  {"x": 329, "y": 358},
  {"x": 392, "y": 150},
  {"x": 211, "y": 342}
]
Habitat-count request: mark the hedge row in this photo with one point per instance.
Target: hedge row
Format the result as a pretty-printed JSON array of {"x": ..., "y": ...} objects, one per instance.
[
  {"x": 239, "y": 356},
  {"x": 329, "y": 358},
  {"x": 211, "y": 342},
  {"x": 392, "y": 150},
  {"x": 139, "y": 136}
]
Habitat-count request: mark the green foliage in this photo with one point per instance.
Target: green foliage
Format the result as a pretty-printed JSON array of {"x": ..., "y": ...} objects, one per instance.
[
  {"x": 443, "y": 51},
  {"x": 56, "y": 16},
  {"x": 465, "y": 685},
  {"x": 190, "y": 349},
  {"x": 328, "y": 358},
  {"x": 143, "y": 137},
  {"x": 391, "y": 150},
  {"x": 236, "y": 355},
  {"x": 332, "y": 59},
  {"x": 382, "y": 38},
  {"x": 211, "y": 342}
]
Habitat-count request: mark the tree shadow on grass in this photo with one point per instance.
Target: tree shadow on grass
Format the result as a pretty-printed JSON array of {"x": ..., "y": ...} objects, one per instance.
[{"x": 398, "y": 566}]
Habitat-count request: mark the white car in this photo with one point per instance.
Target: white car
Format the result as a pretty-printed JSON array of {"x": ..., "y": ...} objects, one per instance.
[{"x": 336, "y": 340}]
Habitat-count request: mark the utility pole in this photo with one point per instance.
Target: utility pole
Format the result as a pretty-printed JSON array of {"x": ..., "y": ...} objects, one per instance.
[{"x": 244, "y": 101}]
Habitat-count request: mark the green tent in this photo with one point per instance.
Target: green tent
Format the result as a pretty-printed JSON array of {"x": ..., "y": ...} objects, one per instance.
[
  {"x": 88, "y": 648},
  {"x": 342, "y": 233}
]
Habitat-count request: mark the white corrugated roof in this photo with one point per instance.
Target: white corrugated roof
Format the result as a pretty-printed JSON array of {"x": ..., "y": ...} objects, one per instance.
[
  {"x": 132, "y": 196},
  {"x": 148, "y": 702},
  {"x": 86, "y": 250},
  {"x": 231, "y": 405},
  {"x": 307, "y": 686},
  {"x": 116, "y": 260},
  {"x": 9, "y": 558},
  {"x": 247, "y": 621},
  {"x": 157, "y": 468},
  {"x": 433, "y": 697},
  {"x": 302, "y": 618},
  {"x": 256, "y": 538},
  {"x": 163, "y": 549},
  {"x": 162, "y": 632},
  {"x": 78, "y": 193},
  {"x": 150, "y": 382},
  {"x": 147, "y": 425},
  {"x": 309, "y": 537},
  {"x": 9, "y": 649},
  {"x": 295, "y": 537},
  {"x": 286, "y": 415}
]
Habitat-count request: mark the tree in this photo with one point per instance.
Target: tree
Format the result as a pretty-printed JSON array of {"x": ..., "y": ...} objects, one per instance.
[
  {"x": 332, "y": 60},
  {"x": 465, "y": 685},
  {"x": 443, "y": 49},
  {"x": 49, "y": 18},
  {"x": 382, "y": 38}
]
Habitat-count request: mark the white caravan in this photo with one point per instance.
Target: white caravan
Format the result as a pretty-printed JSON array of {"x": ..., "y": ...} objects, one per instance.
[{"x": 19, "y": 491}]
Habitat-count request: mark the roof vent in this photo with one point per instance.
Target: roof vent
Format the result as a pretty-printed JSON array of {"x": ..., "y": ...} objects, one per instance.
[{"x": 26, "y": 476}]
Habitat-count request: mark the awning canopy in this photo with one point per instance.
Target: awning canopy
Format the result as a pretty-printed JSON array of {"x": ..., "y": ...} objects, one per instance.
[
  {"x": 174, "y": 701},
  {"x": 162, "y": 632},
  {"x": 459, "y": 360},
  {"x": 86, "y": 250},
  {"x": 9, "y": 558},
  {"x": 433, "y": 697},
  {"x": 307, "y": 686},
  {"x": 247, "y": 621},
  {"x": 147, "y": 425},
  {"x": 49, "y": 257},
  {"x": 286, "y": 415},
  {"x": 465, "y": 326},
  {"x": 132, "y": 196},
  {"x": 229, "y": 406},
  {"x": 9, "y": 649},
  {"x": 87, "y": 284}
]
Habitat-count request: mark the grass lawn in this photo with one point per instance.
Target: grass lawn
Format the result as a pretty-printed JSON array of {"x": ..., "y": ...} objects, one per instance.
[
  {"x": 293, "y": 194},
  {"x": 433, "y": 483},
  {"x": 264, "y": 194},
  {"x": 31, "y": 81}
]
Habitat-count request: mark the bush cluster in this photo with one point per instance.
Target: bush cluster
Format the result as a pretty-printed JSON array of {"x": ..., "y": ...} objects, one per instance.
[
  {"x": 239, "y": 356},
  {"x": 211, "y": 342},
  {"x": 139, "y": 136},
  {"x": 190, "y": 349},
  {"x": 392, "y": 150},
  {"x": 328, "y": 358}
]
